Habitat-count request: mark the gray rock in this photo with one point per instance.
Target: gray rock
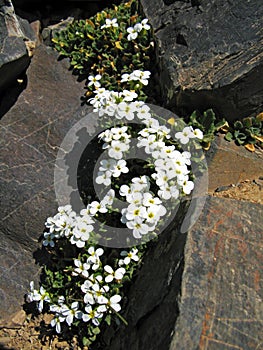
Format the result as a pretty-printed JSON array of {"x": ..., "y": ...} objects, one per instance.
[
  {"x": 31, "y": 132},
  {"x": 205, "y": 294},
  {"x": 17, "y": 42},
  {"x": 49, "y": 32},
  {"x": 210, "y": 54}
]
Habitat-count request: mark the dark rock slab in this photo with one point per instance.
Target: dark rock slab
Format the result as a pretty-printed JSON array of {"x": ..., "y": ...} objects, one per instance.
[
  {"x": 210, "y": 54},
  {"x": 31, "y": 133},
  {"x": 221, "y": 297},
  {"x": 17, "y": 40},
  {"x": 231, "y": 164},
  {"x": 207, "y": 295}
]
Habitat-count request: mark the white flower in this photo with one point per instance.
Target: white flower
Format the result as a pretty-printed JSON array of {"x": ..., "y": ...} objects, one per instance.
[
  {"x": 81, "y": 268},
  {"x": 94, "y": 80},
  {"x": 187, "y": 185},
  {"x": 165, "y": 192},
  {"x": 40, "y": 296},
  {"x": 186, "y": 157},
  {"x": 133, "y": 32},
  {"x": 185, "y": 135},
  {"x": 94, "y": 257},
  {"x": 131, "y": 255},
  {"x": 95, "y": 207},
  {"x": 120, "y": 133},
  {"x": 142, "y": 76},
  {"x": 144, "y": 112},
  {"x": 56, "y": 322},
  {"x": 107, "y": 164},
  {"x": 106, "y": 136},
  {"x": 145, "y": 25},
  {"x": 149, "y": 200},
  {"x": 135, "y": 198},
  {"x": 135, "y": 213},
  {"x": 152, "y": 214},
  {"x": 61, "y": 300},
  {"x": 112, "y": 303},
  {"x": 125, "y": 190},
  {"x": 141, "y": 183},
  {"x": 117, "y": 275},
  {"x": 198, "y": 134},
  {"x": 138, "y": 228},
  {"x": 103, "y": 177},
  {"x": 66, "y": 209},
  {"x": 174, "y": 192},
  {"x": 125, "y": 77},
  {"x": 70, "y": 313},
  {"x": 126, "y": 110},
  {"x": 117, "y": 148},
  {"x": 98, "y": 293},
  {"x": 109, "y": 198},
  {"x": 81, "y": 233},
  {"x": 48, "y": 239},
  {"x": 92, "y": 315},
  {"x": 129, "y": 96},
  {"x": 161, "y": 178},
  {"x": 110, "y": 23},
  {"x": 119, "y": 168},
  {"x": 60, "y": 225}
]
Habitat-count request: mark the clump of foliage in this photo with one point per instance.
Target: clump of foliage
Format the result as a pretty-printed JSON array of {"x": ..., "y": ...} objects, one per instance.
[
  {"x": 247, "y": 132},
  {"x": 104, "y": 45},
  {"x": 208, "y": 123}
]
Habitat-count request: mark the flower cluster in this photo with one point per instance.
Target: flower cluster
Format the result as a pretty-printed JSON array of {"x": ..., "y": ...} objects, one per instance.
[
  {"x": 113, "y": 103},
  {"x": 136, "y": 75},
  {"x": 188, "y": 133},
  {"x": 97, "y": 286},
  {"x": 116, "y": 141},
  {"x": 78, "y": 229},
  {"x": 144, "y": 210},
  {"x": 111, "y": 167},
  {"x": 107, "y": 102},
  {"x": 66, "y": 223},
  {"x": 171, "y": 165},
  {"x": 134, "y": 31}
]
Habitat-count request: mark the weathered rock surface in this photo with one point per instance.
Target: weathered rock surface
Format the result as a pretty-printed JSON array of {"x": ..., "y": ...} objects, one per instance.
[
  {"x": 31, "y": 132},
  {"x": 17, "y": 42},
  {"x": 210, "y": 54},
  {"x": 232, "y": 164},
  {"x": 49, "y": 32},
  {"x": 220, "y": 304}
]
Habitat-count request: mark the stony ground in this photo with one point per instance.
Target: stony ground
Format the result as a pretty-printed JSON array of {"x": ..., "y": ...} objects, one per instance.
[
  {"x": 247, "y": 191},
  {"x": 28, "y": 333}
]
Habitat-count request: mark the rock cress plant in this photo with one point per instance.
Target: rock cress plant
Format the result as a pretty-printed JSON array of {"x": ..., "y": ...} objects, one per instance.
[{"x": 83, "y": 283}]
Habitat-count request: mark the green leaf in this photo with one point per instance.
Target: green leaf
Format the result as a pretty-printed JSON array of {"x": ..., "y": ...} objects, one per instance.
[
  {"x": 96, "y": 330},
  {"x": 238, "y": 125},
  {"x": 247, "y": 122},
  {"x": 108, "y": 320},
  {"x": 92, "y": 339},
  {"x": 229, "y": 136},
  {"x": 86, "y": 341}
]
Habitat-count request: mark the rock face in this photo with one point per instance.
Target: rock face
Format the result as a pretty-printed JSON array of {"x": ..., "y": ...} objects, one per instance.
[
  {"x": 17, "y": 41},
  {"x": 31, "y": 132},
  {"x": 221, "y": 298},
  {"x": 223, "y": 155},
  {"x": 220, "y": 303},
  {"x": 210, "y": 54}
]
